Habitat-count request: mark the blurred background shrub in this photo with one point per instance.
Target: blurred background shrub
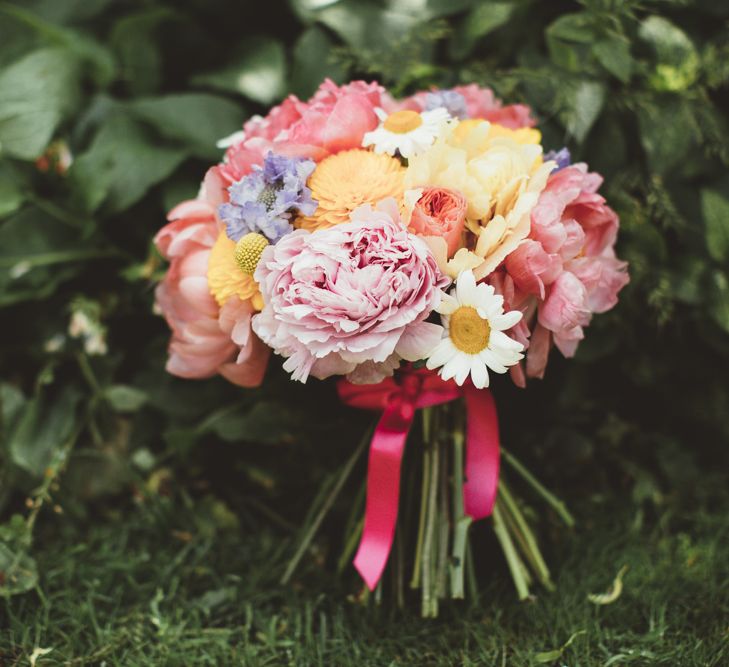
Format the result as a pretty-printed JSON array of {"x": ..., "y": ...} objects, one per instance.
[{"x": 109, "y": 115}]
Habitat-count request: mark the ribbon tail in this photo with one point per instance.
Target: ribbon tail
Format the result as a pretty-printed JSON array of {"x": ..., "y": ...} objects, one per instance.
[
  {"x": 482, "y": 453},
  {"x": 383, "y": 493}
]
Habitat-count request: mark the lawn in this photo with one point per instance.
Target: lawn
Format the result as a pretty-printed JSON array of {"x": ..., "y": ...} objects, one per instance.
[{"x": 172, "y": 581}]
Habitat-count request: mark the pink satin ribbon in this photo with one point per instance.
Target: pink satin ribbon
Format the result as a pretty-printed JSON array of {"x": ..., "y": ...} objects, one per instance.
[{"x": 398, "y": 401}]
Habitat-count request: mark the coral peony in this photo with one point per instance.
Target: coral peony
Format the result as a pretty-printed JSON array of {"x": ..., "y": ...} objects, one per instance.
[
  {"x": 206, "y": 339},
  {"x": 357, "y": 293}
]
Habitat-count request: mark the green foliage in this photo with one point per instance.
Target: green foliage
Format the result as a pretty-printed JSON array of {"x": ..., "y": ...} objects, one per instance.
[{"x": 139, "y": 92}]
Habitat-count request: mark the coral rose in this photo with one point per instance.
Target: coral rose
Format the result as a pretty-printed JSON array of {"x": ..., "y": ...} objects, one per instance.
[
  {"x": 352, "y": 295},
  {"x": 440, "y": 212}
]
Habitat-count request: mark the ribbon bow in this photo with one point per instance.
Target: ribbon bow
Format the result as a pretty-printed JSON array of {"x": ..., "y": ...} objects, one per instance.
[{"x": 398, "y": 400}]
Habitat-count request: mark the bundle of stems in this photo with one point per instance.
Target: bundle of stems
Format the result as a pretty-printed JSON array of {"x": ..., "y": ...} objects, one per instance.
[{"x": 443, "y": 564}]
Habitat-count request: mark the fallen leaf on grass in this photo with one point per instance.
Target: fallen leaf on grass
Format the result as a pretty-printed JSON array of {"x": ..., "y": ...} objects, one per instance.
[
  {"x": 556, "y": 653},
  {"x": 613, "y": 593},
  {"x": 38, "y": 652}
]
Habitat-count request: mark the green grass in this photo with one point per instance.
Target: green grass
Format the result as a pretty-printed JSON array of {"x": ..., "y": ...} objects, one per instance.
[{"x": 167, "y": 582}]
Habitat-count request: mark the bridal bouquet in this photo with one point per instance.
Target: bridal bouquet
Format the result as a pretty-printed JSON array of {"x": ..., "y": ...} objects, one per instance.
[{"x": 411, "y": 248}]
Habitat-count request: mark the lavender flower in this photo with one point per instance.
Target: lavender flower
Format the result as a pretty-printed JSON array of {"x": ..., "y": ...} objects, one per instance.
[
  {"x": 454, "y": 103},
  {"x": 265, "y": 200},
  {"x": 562, "y": 157}
]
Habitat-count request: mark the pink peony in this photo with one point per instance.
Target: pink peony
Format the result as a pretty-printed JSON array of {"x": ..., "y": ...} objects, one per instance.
[
  {"x": 479, "y": 103},
  {"x": 440, "y": 212},
  {"x": 334, "y": 119},
  {"x": 352, "y": 295},
  {"x": 568, "y": 263},
  {"x": 206, "y": 339}
]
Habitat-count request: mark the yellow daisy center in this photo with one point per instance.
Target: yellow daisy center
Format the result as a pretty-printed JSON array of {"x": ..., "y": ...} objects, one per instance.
[
  {"x": 402, "y": 122},
  {"x": 248, "y": 252},
  {"x": 468, "y": 331},
  {"x": 225, "y": 278}
]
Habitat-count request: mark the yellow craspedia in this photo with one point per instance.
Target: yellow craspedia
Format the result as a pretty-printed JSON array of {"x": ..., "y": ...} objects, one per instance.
[
  {"x": 248, "y": 251},
  {"x": 225, "y": 277},
  {"x": 346, "y": 180}
]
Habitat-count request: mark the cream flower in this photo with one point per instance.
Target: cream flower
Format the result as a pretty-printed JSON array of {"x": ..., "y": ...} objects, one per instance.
[
  {"x": 500, "y": 172},
  {"x": 408, "y": 132},
  {"x": 474, "y": 322}
]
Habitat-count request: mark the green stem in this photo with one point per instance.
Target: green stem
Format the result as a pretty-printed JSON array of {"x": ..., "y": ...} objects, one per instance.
[
  {"x": 429, "y": 600},
  {"x": 547, "y": 495},
  {"x": 314, "y": 526},
  {"x": 461, "y": 521},
  {"x": 528, "y": 541},
  {"x": 443, "y": 526},
  {"x": 518, "y": 571},
  {"x": 417, "y": 567}
]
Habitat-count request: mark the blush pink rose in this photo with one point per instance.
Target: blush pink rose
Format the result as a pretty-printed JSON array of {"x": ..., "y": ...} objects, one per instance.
[
  {"x": 355, "y": 296},
  {"x": 440, "y": 212},
  {"x": 205, "y": 338},
  {"x": 568, "y": 263},
  {"x": 565, "y": 312}
]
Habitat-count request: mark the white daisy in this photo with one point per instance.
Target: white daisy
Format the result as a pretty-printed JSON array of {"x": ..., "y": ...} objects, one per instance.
[
  {"x": 474, "y": 322},
  {"x": 406, "y": 131}
]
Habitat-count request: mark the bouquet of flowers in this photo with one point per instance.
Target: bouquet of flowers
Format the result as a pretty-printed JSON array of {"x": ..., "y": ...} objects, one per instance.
[{"x": 411, "y": 248}]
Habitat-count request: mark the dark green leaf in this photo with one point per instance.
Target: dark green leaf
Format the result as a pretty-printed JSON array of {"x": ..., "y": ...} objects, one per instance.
[
  {"x": 719, "y": 299},
  {"x": 265, "y": 422},
  {"x": 197, "y": 119},
  {"x": 11, "y": 191},
  {"x": 37, "y": 253},
  {"x": 677, "y": 59},
  {"x": 584, "y": 103},
  {"x": 667, "y": 131},
  {"x": 19, "y": 572},
  {"x": 134, "y": 40},
  {"x": 715, "y": 208},
  {"x": 427, "y": 10},
  {"x": 122, "y": 163},
  {"x": 483, "y": 19},
  {"x": 312, "y": 62},
  {"x": 124, "y": 398},
  {"x": 613, "y": 53},
  {"x": 258, "y": 72},
  {"x": 365, "y": 26},
  {"x": 42, "y": 430},
  {"x": 12, "y": 402},
  {"x": 36, "y": 93}
]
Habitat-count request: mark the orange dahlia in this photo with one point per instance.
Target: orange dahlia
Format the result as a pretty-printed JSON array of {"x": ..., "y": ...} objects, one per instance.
[{"x": 346, "y": 180}]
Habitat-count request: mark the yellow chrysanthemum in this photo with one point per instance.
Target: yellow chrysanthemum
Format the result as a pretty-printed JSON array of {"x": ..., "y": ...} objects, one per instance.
[
  {"x": 342, "y": 182},
  {"x": 226, "y": 279},
  {"x": 500, "y": 172}
]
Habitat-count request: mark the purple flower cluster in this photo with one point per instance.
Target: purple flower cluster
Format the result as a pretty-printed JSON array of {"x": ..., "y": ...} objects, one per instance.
[
  {"x": 265, "y": 200},
  {"x": 453, "y": 102},
  {"x": 562, "y": 157}
]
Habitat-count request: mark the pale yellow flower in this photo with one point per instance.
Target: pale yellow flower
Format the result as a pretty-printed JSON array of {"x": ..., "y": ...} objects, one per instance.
[{"x": 500, "y": 172}]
